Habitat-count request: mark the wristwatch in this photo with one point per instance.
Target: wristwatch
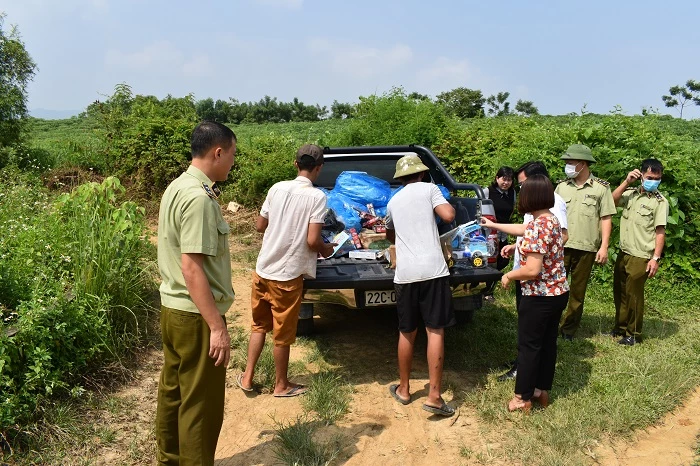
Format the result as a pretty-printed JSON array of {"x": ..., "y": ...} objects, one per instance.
[{"x": 657, "y": 258}]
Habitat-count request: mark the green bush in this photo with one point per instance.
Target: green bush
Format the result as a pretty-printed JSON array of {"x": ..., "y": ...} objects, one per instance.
[
  {"x": 72, "y": 276},
  {"x": 393, "y": 119},
  {"x": 473, "y": 151}
]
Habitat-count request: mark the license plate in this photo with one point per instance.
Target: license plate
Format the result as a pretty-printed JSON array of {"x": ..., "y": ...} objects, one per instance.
[{"x": 380, "y": 298}]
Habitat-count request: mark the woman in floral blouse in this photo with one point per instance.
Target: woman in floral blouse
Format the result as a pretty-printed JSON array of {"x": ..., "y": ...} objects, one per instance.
[{"x": 545, "y": 292}]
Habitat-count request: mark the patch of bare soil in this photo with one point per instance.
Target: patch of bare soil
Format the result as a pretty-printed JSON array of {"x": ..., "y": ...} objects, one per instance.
[
  {"x": 670, "y": 443},
  {"x": 378, "y": 429}
]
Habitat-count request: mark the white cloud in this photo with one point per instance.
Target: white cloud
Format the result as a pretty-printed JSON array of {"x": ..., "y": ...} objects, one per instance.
[
  {"x": 198, "y": 66},
  {"x": 291, "y": 4},
  {"x": 360, "y": 61},
  {"x": 159, "y": 58},
  {"x": 445, "y": 69},
  {"x": 160, "y": 54}
]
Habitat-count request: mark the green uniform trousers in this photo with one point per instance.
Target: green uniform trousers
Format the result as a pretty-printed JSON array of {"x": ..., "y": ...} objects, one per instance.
[
  {"x": 629, "y": 278},
  {"x": 578, "y": 265},
  {"x": 190, "y": 393}
]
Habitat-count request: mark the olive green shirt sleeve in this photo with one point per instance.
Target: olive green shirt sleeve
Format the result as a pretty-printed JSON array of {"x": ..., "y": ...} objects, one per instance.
[
  {"x": 607, "y": 203},
  {"x": 198, "y": 231},
  {"x": 625, "y": 198},
  {"x": 661, "y": 214}
]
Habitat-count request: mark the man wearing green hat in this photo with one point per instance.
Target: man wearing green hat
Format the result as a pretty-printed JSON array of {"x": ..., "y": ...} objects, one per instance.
[
  {"x": 589, "y": 210},
  {"x": 422, "y": 279}
]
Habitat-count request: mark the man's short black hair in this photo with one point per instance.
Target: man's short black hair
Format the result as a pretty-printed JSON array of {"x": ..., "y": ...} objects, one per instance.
[
  {"x": 652, "y": 164},
  {"x": 307, "y": 163},
  {"x": 532, "y": 168},
  {"x": 208, "y": 134}
]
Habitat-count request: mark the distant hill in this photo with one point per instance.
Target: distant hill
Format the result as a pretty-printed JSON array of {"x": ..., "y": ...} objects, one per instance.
[{"x": 53, "y": 114}]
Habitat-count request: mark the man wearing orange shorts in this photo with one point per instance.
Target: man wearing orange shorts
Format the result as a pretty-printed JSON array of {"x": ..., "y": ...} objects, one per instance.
[{"x": 291, "y": 218}]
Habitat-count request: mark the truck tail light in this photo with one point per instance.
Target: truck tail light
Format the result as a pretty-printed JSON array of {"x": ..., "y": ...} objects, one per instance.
[{"x": 492, "y": 236}]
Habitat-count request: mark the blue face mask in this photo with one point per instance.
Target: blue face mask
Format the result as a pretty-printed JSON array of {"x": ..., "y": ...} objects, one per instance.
[{"x": 650, "y": 185}]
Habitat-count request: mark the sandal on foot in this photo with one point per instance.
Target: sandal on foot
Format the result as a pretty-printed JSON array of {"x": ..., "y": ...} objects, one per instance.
[
  {"x": 294, "y": 391},
  {"x": 442, "y": 410},
  {"x": 239, "y": 382},
  {"x": 392, "y": 390},
  {"x": 542, "y": 399},
  {"x": 519, "y": 404}
]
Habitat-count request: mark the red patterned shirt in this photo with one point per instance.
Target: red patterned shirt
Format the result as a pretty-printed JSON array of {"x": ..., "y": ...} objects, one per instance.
[{"x": 543, "y": 236}]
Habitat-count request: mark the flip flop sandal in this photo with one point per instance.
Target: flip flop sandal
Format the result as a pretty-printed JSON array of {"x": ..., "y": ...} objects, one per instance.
[
  {"x": 392, "y": 390},
  {"x": 296, "y": 391},
  {"x": 443, "y": 410},
  {"x": 239, "y": 382}
]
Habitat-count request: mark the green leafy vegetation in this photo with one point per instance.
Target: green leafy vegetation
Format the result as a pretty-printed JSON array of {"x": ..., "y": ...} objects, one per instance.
[
  {"x": 601, "y": 389},
  {"x": 73, "y": 273},
  {"x": 76, "y": 266}
]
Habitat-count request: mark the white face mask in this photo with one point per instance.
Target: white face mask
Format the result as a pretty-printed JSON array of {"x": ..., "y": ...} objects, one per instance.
[{"x": 570, "y": 170}]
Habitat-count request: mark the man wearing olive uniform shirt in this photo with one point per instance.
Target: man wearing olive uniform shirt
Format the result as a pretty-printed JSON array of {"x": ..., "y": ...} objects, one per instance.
[
  {"x": 589, "y": 210},
  {"x": 196, "y": 292},
  {"x": 642, "y": 237}
]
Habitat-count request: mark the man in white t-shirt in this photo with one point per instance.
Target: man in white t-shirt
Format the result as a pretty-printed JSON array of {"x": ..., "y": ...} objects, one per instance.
[
  {"x": 559, "y": 211},
  {"x": 291, "y": 217},
  {"x": 421, "y": 279}
]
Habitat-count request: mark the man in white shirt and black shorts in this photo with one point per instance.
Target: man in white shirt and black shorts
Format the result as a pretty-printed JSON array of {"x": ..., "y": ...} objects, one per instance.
[{"x": 422, "y": 279}]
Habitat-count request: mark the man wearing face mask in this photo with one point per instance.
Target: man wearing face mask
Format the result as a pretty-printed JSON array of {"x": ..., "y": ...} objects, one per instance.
[
  {"x": 642, "y": 237},
  {"x": 589, "y": 210}
]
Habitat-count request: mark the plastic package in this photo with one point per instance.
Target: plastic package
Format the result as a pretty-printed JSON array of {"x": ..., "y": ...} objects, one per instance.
[
  {"x": 346, "y": 210},
  {"x": 363, "y": 188}
]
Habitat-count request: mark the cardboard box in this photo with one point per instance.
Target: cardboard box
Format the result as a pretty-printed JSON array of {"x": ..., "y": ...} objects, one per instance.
[
  {"x": 365, "y": 254},
  {"x": 367, "y": 237}
]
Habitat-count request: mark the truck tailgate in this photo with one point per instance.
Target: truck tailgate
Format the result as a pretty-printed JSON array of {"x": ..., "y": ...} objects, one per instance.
[{"x": 359, "y": 274}]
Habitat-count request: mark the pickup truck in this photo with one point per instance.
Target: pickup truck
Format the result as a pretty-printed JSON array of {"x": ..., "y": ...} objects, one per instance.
[{"x": 368, "y": 283}]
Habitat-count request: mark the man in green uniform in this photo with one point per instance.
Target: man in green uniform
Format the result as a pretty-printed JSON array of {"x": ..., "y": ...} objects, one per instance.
[
  {"x": 642, "y": 237},
  {"x": 589, "y": 210},
  {"x": 196, "y": 292}
]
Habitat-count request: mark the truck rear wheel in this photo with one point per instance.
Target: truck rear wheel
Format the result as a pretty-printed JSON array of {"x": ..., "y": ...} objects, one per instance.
[
  {"x": 465, "y": 306},
  {"x": 305, "y": 326}
]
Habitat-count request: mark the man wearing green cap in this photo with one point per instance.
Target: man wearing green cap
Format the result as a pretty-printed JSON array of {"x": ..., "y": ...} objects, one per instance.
[
  {"x": 642, "y": 237},
  {"x": 422, "y": 279},
  {"x": 589, "y": 210}
]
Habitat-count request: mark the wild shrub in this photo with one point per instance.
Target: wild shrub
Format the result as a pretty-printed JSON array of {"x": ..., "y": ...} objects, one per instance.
[
  {"x": 393, "y": 119},
  {"x": 73, "y": 277},
  {"x": 260, "y": 163},
  {"x": 473, "y": 150},
  {"x": 146, "y": 140}
]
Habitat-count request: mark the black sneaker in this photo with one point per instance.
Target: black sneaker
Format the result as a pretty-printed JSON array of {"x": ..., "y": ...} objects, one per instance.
[
  {"x": 628, "y": 341},
  {"x": 567, "y": 337},
  {"x": 511, "y": 374}
]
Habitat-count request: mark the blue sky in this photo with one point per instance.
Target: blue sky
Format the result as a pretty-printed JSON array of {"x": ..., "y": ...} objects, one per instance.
[{"x": 561, "y": 55}]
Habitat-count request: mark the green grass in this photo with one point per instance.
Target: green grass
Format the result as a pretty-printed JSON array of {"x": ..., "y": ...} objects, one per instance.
[
  {"x": 600, "y": 388},
  {"x": 328, "y": 396},
  {"x": 265, "y": 368},
  {"x": 297, "y": 446}
]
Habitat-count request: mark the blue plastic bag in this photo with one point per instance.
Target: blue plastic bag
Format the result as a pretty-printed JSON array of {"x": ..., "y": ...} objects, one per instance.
[
  {"x": 363, "y": 188},
  {"x": 344, "y": 209}
]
